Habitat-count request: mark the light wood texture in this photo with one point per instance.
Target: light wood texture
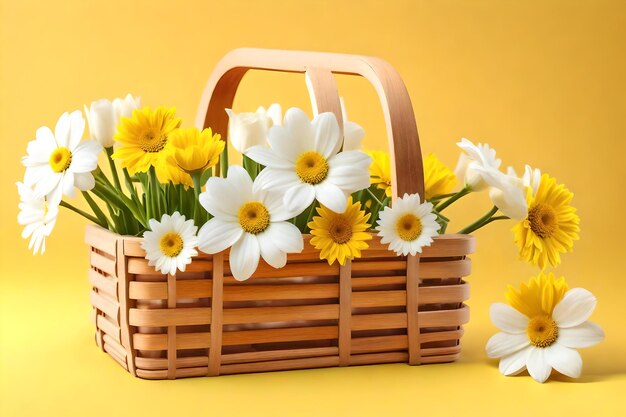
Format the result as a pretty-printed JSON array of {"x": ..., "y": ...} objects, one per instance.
[{"x": 379, "y": 308}]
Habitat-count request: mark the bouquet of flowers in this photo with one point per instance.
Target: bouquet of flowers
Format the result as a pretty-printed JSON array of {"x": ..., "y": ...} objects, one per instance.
[{"x": 173, "y": 186}]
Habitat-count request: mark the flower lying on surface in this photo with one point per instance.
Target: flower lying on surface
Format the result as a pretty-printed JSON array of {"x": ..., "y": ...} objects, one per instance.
[
  {"x": 551, "y": 225},
  {"x": 304, "y": 163},
  {"x": 473, "y": 156},
  {"x": 438, "y": 178},
  {"x": 249, "y": 219},
  {"x": 246, "y": 130},
  {"x": 542, "y": 329},
  {"x": 408, "y": 226},
  {"x": 340, "y": 236},
  {"x": 170, "y": 243},
  {"x": 143, "y": 138},
  {"x": 56, "y": 163},
  {"x": 37, "y": 216}
]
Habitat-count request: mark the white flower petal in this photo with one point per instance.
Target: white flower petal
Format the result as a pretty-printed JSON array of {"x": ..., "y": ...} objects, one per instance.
[
  {"x": 240, "y": 181},
  {"x": 514, "y": 363},
  {"x": 267, "y": 157},
  {"x": 299, "y": 127},
  {"x": 327, "y": 134},
  {"x": 244, "y": 257},
  {"x": 270, "y": 251},
  {"x": 299, "y": 197},
  {"x": 575, "y": 307},
  {"x": 503, "y": 344},
  {"x": 352, "y": 136},
  {"x": 62, "y": 131},
  {"x": 285, "y": 146},
  {"x": 537, "y": 364},
  {"x": 273, "y": 202},
  {"x": 507, "y": 318},
  {"x": 565, "y": 360},
  {"x": 581, "y": 336},
  {"x": 278, "y": 180},
  {"x": 331, "y": 196},
  {"x": 77, "y": 128},
  {"x": 221, "y": 199},
  {"x": 84, "y": 181},
  {"x": 85, "y": 156},
  {"x": 216, "y": 235},
  {"x": 286, "y": 236}
]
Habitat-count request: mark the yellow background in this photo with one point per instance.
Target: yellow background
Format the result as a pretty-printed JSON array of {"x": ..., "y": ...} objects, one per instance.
[{"x": 541, "y": 81}]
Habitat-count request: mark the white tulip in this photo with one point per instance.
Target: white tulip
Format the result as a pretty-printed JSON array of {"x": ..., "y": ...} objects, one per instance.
[
  {"x": 531, "y": 178},
  {"x": 124, "y": 107},
  {"x": 101, "y": 120},
  {"x": 353, "y": 133},
  {"x": 246, "y": 130},
  {"x": 507, "y": 192},
  {"x": 475, "y": 156}
]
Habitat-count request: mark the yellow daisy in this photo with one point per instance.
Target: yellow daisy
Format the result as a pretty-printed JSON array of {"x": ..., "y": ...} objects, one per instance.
[
  {"x": 438, "y": 178},
  {"x": 340, "y": 236},
  {"x": 144, "y": 136},
  {"x": 551, "y": 226},
  {"x": 380, "y": 171}
]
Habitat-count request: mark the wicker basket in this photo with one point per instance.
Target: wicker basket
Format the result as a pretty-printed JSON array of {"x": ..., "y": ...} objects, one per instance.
[{"x": 380, "y": 308}]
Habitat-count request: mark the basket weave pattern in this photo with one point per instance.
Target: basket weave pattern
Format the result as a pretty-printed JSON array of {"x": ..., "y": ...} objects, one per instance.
[{"x": 380, "y": 308}]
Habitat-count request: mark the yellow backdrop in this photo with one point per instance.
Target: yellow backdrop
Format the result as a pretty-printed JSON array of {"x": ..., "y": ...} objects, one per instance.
[{"x": 541, "y": 81}]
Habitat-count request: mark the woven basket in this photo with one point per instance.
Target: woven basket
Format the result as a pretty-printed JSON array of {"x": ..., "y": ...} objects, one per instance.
[{"x": 380, "y": 308}]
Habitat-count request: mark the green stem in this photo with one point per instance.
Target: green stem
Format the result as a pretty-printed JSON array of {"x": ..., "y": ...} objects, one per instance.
[
  {"x": 441, "y": 197},
  {"x": 464, "y": 191},
  {"x": 103, "y": 220},
  {"x": 480, "y": 222},
  {"x": 116, "y": 177},
  {"x": 224, "y": 162},
  {"x": 374, "y": 197},
  {"x": 154, "y": 194},
  {"x": 197, "y": 188},
  {"x": 81, "y": 212}
]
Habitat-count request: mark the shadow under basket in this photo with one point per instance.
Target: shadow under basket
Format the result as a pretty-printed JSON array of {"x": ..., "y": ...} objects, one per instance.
[{"x": 380, "y": 308}]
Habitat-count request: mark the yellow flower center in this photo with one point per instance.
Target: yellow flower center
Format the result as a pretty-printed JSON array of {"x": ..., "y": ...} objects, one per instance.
[
  {"x": 311, "y": 167},
  {"x": 60, "y": 159},
  {"x": 542, "y": 331},
  {"x": 171, "y": 244},
  {"x": 254, "y": 217},
  {"x": 543, "y": 220},
  {"x": 152, "y": 140},
  {"x": 409, "y": 227},
  {"x": 340, "y": 229}
]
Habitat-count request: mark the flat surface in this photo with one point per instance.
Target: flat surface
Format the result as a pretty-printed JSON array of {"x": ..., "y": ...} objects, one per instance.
[{"x": 541, "y": 81}]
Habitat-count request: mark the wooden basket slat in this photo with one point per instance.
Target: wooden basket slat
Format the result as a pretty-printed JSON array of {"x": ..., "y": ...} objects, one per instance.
[
  {"x": 379, "y": 344},
  {"x": 199, "y": 340},
  {"x": 280, "y": 292},
  {"x": 375, "y": 358},
  {"x": 179, "y": 373},
  {"x": 100, "y": 239},
  {"x": 113, "y": 353},
  {"x": 161, "y": 363},
  {"x": 169, "y": 317},
  {"x": 269, "y": 355},
  {"x": 280, "y": 365},
  {"x": 108, "y": 327},
  {"x": 109, "y": 307},
  {"x": 288, "y": 334},
  {"x": 276, "y": 314},
  {"x": 103, "y": 283},
  {"x": 103, "y": 263},
  {"x": 158, "y": 290}
]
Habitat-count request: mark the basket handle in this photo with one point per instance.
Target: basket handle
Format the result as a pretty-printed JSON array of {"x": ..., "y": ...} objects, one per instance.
[{"x": 406, "y": 162}]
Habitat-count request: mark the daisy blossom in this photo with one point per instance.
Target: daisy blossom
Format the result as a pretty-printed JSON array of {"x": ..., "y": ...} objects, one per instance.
[
  {"x": 37, "y": 216},
  {"x": 408, "y": 226},
  {"x": 250, "y": 220},
  {"x": 170, "y": 243},
  {"x": 543, "y": 328},
  {"x": 56, "y": 163},
  {"x": 303, "y": 162}
]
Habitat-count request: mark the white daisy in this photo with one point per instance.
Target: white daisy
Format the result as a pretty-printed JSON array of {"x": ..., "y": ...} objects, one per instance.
[
  {"x": 473, "y": 156},
  {"x": 542, "y": 341},
  {"x": 37, "y": 215},
  {"x": 304, "y": 163},
  {"x": 170, "y": 243},
  {"x": 251, "y": 220},
  {"x": 250, "y": 129},
  {"x": 56, "y": 163},
  {"x": 408, "y": 226}
]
